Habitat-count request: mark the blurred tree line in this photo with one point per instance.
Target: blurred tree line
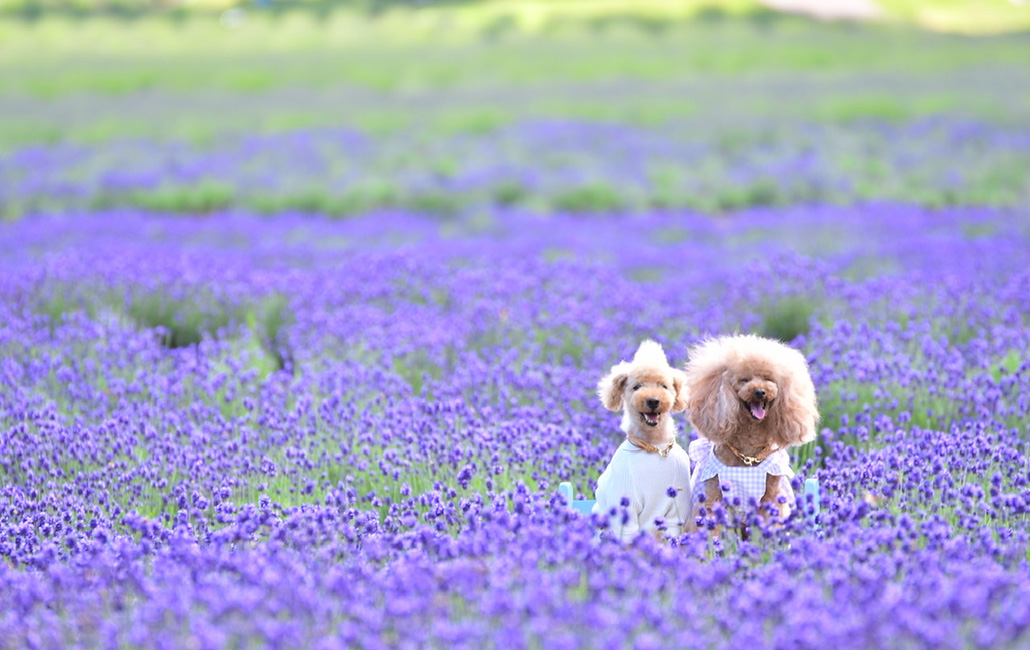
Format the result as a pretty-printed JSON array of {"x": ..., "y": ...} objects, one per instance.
[{"x": 128, "y": 8}]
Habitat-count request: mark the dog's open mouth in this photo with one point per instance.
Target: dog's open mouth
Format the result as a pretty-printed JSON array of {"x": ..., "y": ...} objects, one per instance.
[
  {"x": 650, "y": 419},
  {"x": 757, "y": 409}
]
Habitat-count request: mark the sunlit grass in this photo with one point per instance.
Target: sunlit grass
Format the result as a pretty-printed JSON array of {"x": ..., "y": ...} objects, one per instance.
[{"x": 427, "y": 48}]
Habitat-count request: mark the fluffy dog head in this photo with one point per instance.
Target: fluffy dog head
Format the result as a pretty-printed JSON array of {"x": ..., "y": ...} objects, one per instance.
[
  {"x": 747, "y": 382},
  {"x": 647, "y": 390}
]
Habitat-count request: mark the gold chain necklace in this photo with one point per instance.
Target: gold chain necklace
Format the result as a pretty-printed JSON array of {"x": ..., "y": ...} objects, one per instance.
[
  {"x": 750, "y": 461},
  {"x": 649, "y": 448}
]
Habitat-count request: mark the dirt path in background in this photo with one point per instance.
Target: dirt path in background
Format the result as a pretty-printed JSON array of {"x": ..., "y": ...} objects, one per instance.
[{"x": 828, "y": 9}]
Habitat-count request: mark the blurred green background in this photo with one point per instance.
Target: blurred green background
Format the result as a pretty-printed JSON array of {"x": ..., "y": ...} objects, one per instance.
[
  {"x": 90, "y": 71},
  {"x": 432, "y": 84}
]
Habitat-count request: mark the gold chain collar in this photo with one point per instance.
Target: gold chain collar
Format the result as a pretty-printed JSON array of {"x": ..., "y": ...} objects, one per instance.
[
  {"x": 750, "y": 461},
  {"x": 649, "y": 448}
]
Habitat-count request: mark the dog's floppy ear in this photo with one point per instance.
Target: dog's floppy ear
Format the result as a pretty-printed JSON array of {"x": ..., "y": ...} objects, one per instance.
[
  {"x": 611, "y": 386},
  {"x": 679, "y": 385},
  {"x": 795, "y": 420},
  {"x": 710, "y": 401}
]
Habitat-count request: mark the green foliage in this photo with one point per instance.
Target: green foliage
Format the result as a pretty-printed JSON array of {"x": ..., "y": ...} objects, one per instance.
[
  {"x": 415, "y": 368},
  {"x": 359, "y": 198},
  {"x": 848, "y": 109},
  {"x": 474, "y": 120},
  {"x": 269, "y": 322},
  {"x": 56, "y": 56},
  {"x": 437, "y": 203},
  {"x": 589, "y": 198},
  {"x": 496, "y": 20},
  {"x": 1008, "y": 364},
  {"x": 179, "y": 321},
  {"x": 646, "y": 274},
  {"x": 510, "y": 193},
  {"x": 787, "y": 318},
  {"x": 54, "y": 301},
  {"x": 207, "y": 196},
  {"x": 758, "y": 193},
  {"x": 968, "y": 16},
  {"x": 185, "y": 319}
]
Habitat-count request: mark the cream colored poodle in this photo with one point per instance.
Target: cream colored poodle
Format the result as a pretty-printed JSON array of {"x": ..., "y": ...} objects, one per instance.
[
  {"x": 750, "y": 399},
  {"x": 646, "y": 486}
]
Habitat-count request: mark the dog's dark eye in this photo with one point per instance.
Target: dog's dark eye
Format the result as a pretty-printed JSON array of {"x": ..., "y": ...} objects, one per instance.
[
  {"x": 664, "y": 386},
  {"x": 743, "y": 380},
  {"x": 636, "y": 387}
]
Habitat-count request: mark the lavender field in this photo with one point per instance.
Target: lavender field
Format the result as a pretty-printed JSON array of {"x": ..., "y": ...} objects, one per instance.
[{"x": 316, "y": 387}]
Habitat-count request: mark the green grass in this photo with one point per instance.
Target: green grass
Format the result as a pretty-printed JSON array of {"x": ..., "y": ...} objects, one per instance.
[
  {"x": 497, "y": 18},
  {"x": 208, "y": 196},
  {"x": 435, "y": 69},
  {"x": 361, "y": 197},
  {"x": 1008, "y": 364},
  {"x": 590, "y": 198},
  {"x": 179, "y": 322},
  {"x": 181, "y": 319},
  {"x": 966, "y": 16},
  {"x": 59, "y": 56},
  {"x": 787, "y": 318}
]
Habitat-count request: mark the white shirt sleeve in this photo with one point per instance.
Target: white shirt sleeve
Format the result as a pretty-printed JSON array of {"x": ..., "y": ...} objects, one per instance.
[{"x": 615, "y": 483}]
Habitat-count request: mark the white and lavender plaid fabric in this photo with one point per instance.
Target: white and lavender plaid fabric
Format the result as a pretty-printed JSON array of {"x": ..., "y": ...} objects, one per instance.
[{"x": 744, "y": 482}]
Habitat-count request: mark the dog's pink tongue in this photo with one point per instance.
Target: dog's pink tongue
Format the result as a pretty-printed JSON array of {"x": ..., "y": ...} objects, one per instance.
[{"x": 757, "y": 410}]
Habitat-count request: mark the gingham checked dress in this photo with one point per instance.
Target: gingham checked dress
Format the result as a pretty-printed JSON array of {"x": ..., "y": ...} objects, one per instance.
[{"x": 744, "y": 482}]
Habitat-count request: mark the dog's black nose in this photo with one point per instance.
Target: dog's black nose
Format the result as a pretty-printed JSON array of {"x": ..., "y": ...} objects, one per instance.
[
  {"x": 652, "y": 403},
  {"x": 759, "y": 393}
]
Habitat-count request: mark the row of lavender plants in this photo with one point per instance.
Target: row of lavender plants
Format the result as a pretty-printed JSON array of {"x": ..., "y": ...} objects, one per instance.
[
  {"x": 306, "y": 433},
  {"x": 544, "y": 166}
]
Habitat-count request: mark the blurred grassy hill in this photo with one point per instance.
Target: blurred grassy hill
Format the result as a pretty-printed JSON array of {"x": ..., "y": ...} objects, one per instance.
[
  {"x": 746, "y": 88},
  {"x": 97, "y": 78},
  {"x": 962, "y": 16},
  {"x": 195, "y": 72}
]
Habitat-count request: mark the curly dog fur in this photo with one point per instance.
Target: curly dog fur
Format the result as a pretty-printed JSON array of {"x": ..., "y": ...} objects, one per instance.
[{"x": 753, "y": 394}]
